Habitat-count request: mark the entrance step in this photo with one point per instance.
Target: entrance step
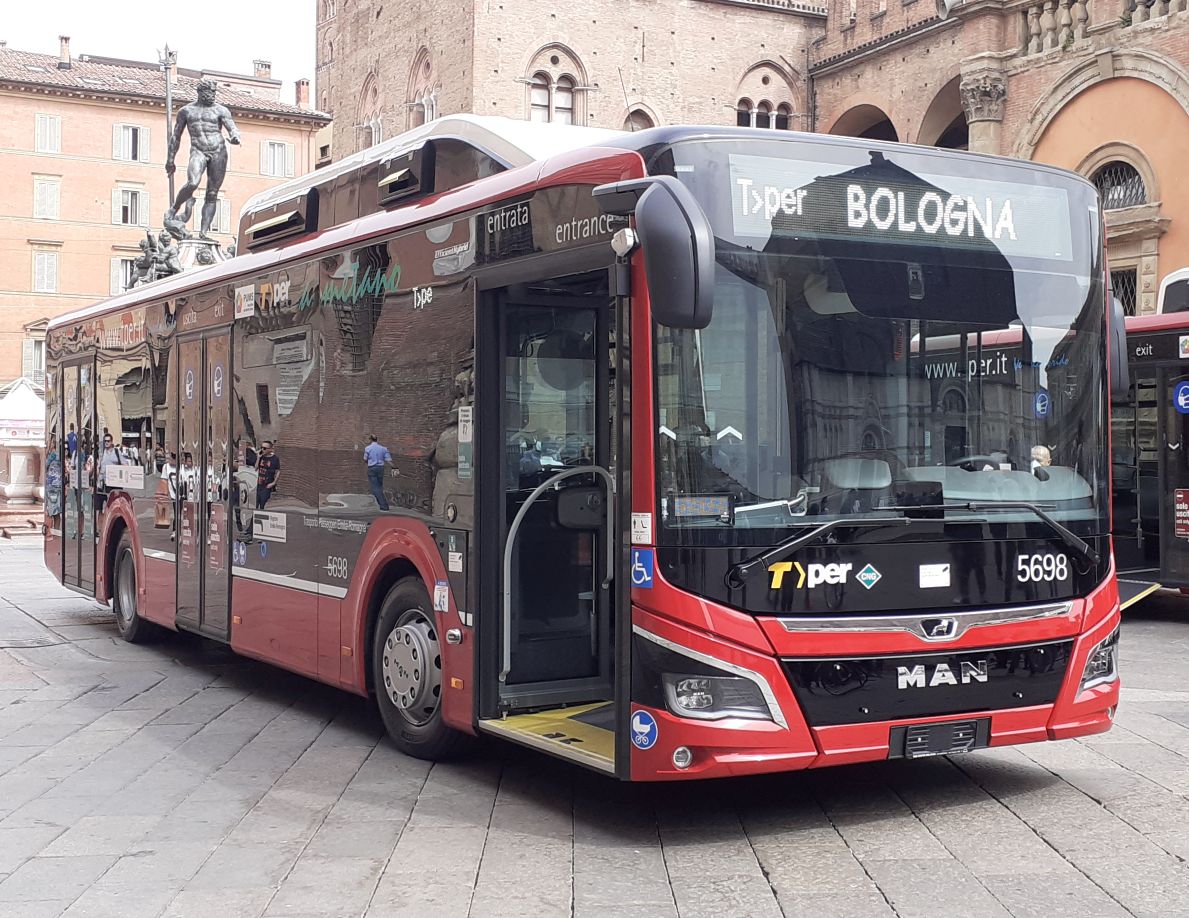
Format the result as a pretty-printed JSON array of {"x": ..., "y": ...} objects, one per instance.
[
  {"x": 1132, "y": 591},
  {"x": 584, "y": 733}
]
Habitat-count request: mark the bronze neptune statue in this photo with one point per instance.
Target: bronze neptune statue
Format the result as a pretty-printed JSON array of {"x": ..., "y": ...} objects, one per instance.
[{"x": 205, "y": 120}]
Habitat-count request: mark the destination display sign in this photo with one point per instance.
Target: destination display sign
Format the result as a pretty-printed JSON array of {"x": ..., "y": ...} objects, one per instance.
[{"x": 883, "y": 202}]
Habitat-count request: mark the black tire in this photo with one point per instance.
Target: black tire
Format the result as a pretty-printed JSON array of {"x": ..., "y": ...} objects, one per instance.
[
  {"x": 407, "y": 674},
  {"x": 132, "y": 628}
]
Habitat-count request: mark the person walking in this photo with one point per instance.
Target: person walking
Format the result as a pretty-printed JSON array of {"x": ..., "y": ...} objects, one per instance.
[
  {"x": 268, "y": 473},
  {"x": 375, "y": 454}
]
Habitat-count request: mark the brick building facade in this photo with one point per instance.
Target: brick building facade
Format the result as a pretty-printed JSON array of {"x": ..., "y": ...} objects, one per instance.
[
  {"x": 1083, "y": 84},
  {"x": 383, "y": 68},
  {"x": 82, "y": 151}
]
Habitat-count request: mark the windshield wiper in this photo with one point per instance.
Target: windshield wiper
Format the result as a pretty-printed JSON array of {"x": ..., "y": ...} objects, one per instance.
[
  {"x": 1079, "y": 546},
  {"x": 738, "y": 573}
]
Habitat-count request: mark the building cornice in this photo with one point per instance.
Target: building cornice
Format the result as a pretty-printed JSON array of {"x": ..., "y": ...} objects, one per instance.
[
  {"x": 313, "y": 119},
  {"x": 882, "y": 43}
]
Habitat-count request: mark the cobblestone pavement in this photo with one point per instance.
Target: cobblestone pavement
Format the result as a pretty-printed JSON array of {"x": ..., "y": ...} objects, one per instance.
[{"x": 178, "y": 780}]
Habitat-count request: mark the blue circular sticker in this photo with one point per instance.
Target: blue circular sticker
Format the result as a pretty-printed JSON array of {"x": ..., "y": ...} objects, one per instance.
[
  {"x": 1180, "y": 397},
  {"x": 644, "y": 730},
  {"x": 1042, "y": 404},
  {"x": 263, "y": 549}
]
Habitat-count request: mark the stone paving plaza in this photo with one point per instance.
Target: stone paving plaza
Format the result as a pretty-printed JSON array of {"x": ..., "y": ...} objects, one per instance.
[{"x": 176, "y": 779}]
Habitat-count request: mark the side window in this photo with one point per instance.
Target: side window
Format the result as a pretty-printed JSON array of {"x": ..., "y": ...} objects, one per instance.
[
  {"x": 275, "y": 423},
  {"x": 399, "y": 362}
]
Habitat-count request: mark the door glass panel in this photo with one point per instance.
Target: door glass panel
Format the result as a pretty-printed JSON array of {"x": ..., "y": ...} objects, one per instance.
[
  {"x": 73, "y": 475},
  {"x": 88, "y": 445},
  {"x": 216, "y": 473},
  {"x": 189, "y": 484},
  {"x": 1175, "y": 490},
  {"x": 551, "y": 420}
]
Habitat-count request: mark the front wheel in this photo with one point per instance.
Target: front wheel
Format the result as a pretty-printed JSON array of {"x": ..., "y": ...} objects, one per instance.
[
  {"x": 132, "y": 628},
  {"x": 407, "y": 674}
]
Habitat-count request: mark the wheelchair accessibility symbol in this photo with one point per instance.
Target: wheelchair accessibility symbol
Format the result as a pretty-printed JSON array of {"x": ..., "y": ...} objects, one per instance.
[{"x": 643, "y": 565}]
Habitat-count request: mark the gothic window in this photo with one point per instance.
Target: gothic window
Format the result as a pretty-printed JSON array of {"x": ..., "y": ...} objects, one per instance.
[
  {"x": 638, "y": 120},
  {"x": 762, "y": 115}
]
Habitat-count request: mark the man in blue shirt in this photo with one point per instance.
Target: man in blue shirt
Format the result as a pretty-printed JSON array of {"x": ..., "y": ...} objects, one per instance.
[{"x": 375, "y": 455}]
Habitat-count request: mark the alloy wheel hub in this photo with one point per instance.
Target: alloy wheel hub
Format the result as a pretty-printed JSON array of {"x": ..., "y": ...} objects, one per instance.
[{"x": 412, "y": 668}]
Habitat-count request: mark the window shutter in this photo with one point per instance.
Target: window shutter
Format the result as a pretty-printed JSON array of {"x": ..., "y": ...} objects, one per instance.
[
  {"x": 117, "y": 276},
  {"x": 144, "y": 146},
  {"x": 51, "y": 271},
  {"x": 117, "y": 141},
  {"x": 224, "y": 215},
  {"x": 28, "y": 366},
  {"x": 39, "y": 196},
  {"x": 144, "y": 207},
  {"x": 264, "y": 164},
  {"x": 53, "y": 200},
  {"x": 56, "y": 133},
  {"x": 39, "y": 283},
  {"x": 39, "y": 140},
  {"x": 115, "y": 206},
  {"x": 289, "y": 160}
]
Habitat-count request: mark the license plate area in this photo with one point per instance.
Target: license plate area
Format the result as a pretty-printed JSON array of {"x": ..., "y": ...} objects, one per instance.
[{"x": 916, "y": 741}]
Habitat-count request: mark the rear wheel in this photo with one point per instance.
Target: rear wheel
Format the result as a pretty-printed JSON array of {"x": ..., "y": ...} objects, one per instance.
[
  {"x": 131, "y": 626},
  {"x": 407, "y": 673}
]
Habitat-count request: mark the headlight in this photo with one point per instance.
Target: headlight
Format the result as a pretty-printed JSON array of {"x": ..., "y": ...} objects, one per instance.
[
  {"x": 1103, "y": 665},
  {"x": 713, "y": 697},
  {"x": 695, "y": 685}
]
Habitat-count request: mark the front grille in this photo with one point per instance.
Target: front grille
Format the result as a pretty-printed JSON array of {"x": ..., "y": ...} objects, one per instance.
[{"x": 855, "y": 690}]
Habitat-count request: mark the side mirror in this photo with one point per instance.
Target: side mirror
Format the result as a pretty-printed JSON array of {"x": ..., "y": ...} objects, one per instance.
[
  {"x": 1120, "y": 370},
  {"x": 678, "y": 246}
]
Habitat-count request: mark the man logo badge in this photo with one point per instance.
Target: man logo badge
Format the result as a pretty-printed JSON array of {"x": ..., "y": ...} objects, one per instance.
[{"x": 939, "y": 629}]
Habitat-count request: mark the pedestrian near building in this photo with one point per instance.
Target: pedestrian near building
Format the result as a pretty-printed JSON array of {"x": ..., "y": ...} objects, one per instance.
[{"x": 376, "y": 455}]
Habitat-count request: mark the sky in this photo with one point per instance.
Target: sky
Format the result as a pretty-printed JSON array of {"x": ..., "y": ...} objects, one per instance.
[{"x": 208, "y": 34}]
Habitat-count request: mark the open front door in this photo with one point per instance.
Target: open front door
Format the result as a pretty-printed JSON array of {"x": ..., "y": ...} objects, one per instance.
[{"x": 551, "y": 359}]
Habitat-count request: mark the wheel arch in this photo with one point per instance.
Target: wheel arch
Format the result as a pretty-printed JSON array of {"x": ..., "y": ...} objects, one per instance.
[{"x": 118, "y": 520}]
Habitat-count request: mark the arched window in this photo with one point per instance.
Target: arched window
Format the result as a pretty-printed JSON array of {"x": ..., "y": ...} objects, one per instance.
[
  {"x": 551, "y": 101},
  {"x": 1119, "y": 185},
  {"x": 743, "y": 113},
  {"x": 540, "y": 92},
  {"x": 762, "y": 115},
  {"x": 563, "y": 100},
  {"x": 638, "y": 120},
  {"x": 953, "y": 402}
]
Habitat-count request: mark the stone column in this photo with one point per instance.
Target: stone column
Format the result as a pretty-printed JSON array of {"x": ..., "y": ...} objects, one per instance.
[{"x": 983, "y": 94}]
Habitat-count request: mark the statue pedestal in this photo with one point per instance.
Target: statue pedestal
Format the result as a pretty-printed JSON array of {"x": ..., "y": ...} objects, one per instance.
[{"x": 199, "y": 253}]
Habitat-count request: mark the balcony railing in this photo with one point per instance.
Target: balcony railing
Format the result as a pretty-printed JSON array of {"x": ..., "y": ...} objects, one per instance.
[
  {"x": 1056, "y": 24},
  {"x": 1144, "y": 10}
]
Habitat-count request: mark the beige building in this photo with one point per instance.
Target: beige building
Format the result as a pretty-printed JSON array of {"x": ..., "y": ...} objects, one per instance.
[
  {"x": 385, "y": 67},
  {"x": 1101, "y": 88},
  {"x": 82, "y": 152}
]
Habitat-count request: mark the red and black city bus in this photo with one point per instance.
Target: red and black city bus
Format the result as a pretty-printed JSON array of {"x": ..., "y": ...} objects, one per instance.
[
  {"x": 628, "y": 447},
  {"x": 1149, "y": 458}
]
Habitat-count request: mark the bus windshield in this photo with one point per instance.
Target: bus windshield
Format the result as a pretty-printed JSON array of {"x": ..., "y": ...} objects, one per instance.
[{"x": 892, "y": 329}]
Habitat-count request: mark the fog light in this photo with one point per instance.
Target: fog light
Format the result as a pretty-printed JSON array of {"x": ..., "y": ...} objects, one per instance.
[
  {"x": 682, "y": 757},
  {"x": 1102, "y": 666}
]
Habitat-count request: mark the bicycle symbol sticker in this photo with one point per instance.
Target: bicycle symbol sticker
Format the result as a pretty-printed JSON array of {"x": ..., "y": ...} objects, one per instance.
[{"x": 643, "y": 565}]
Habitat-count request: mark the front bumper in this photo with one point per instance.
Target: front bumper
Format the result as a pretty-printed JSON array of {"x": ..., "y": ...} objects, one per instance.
[{"x": 735, "y": 746}]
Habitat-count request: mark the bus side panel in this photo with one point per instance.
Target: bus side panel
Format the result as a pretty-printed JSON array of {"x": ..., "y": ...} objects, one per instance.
[
  {"x": 276, "y": 624},
  {"x": 160, "y": 592}
]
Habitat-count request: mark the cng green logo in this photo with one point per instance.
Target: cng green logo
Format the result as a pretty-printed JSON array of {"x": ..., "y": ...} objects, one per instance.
[{"x": 868, "y": 576}]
